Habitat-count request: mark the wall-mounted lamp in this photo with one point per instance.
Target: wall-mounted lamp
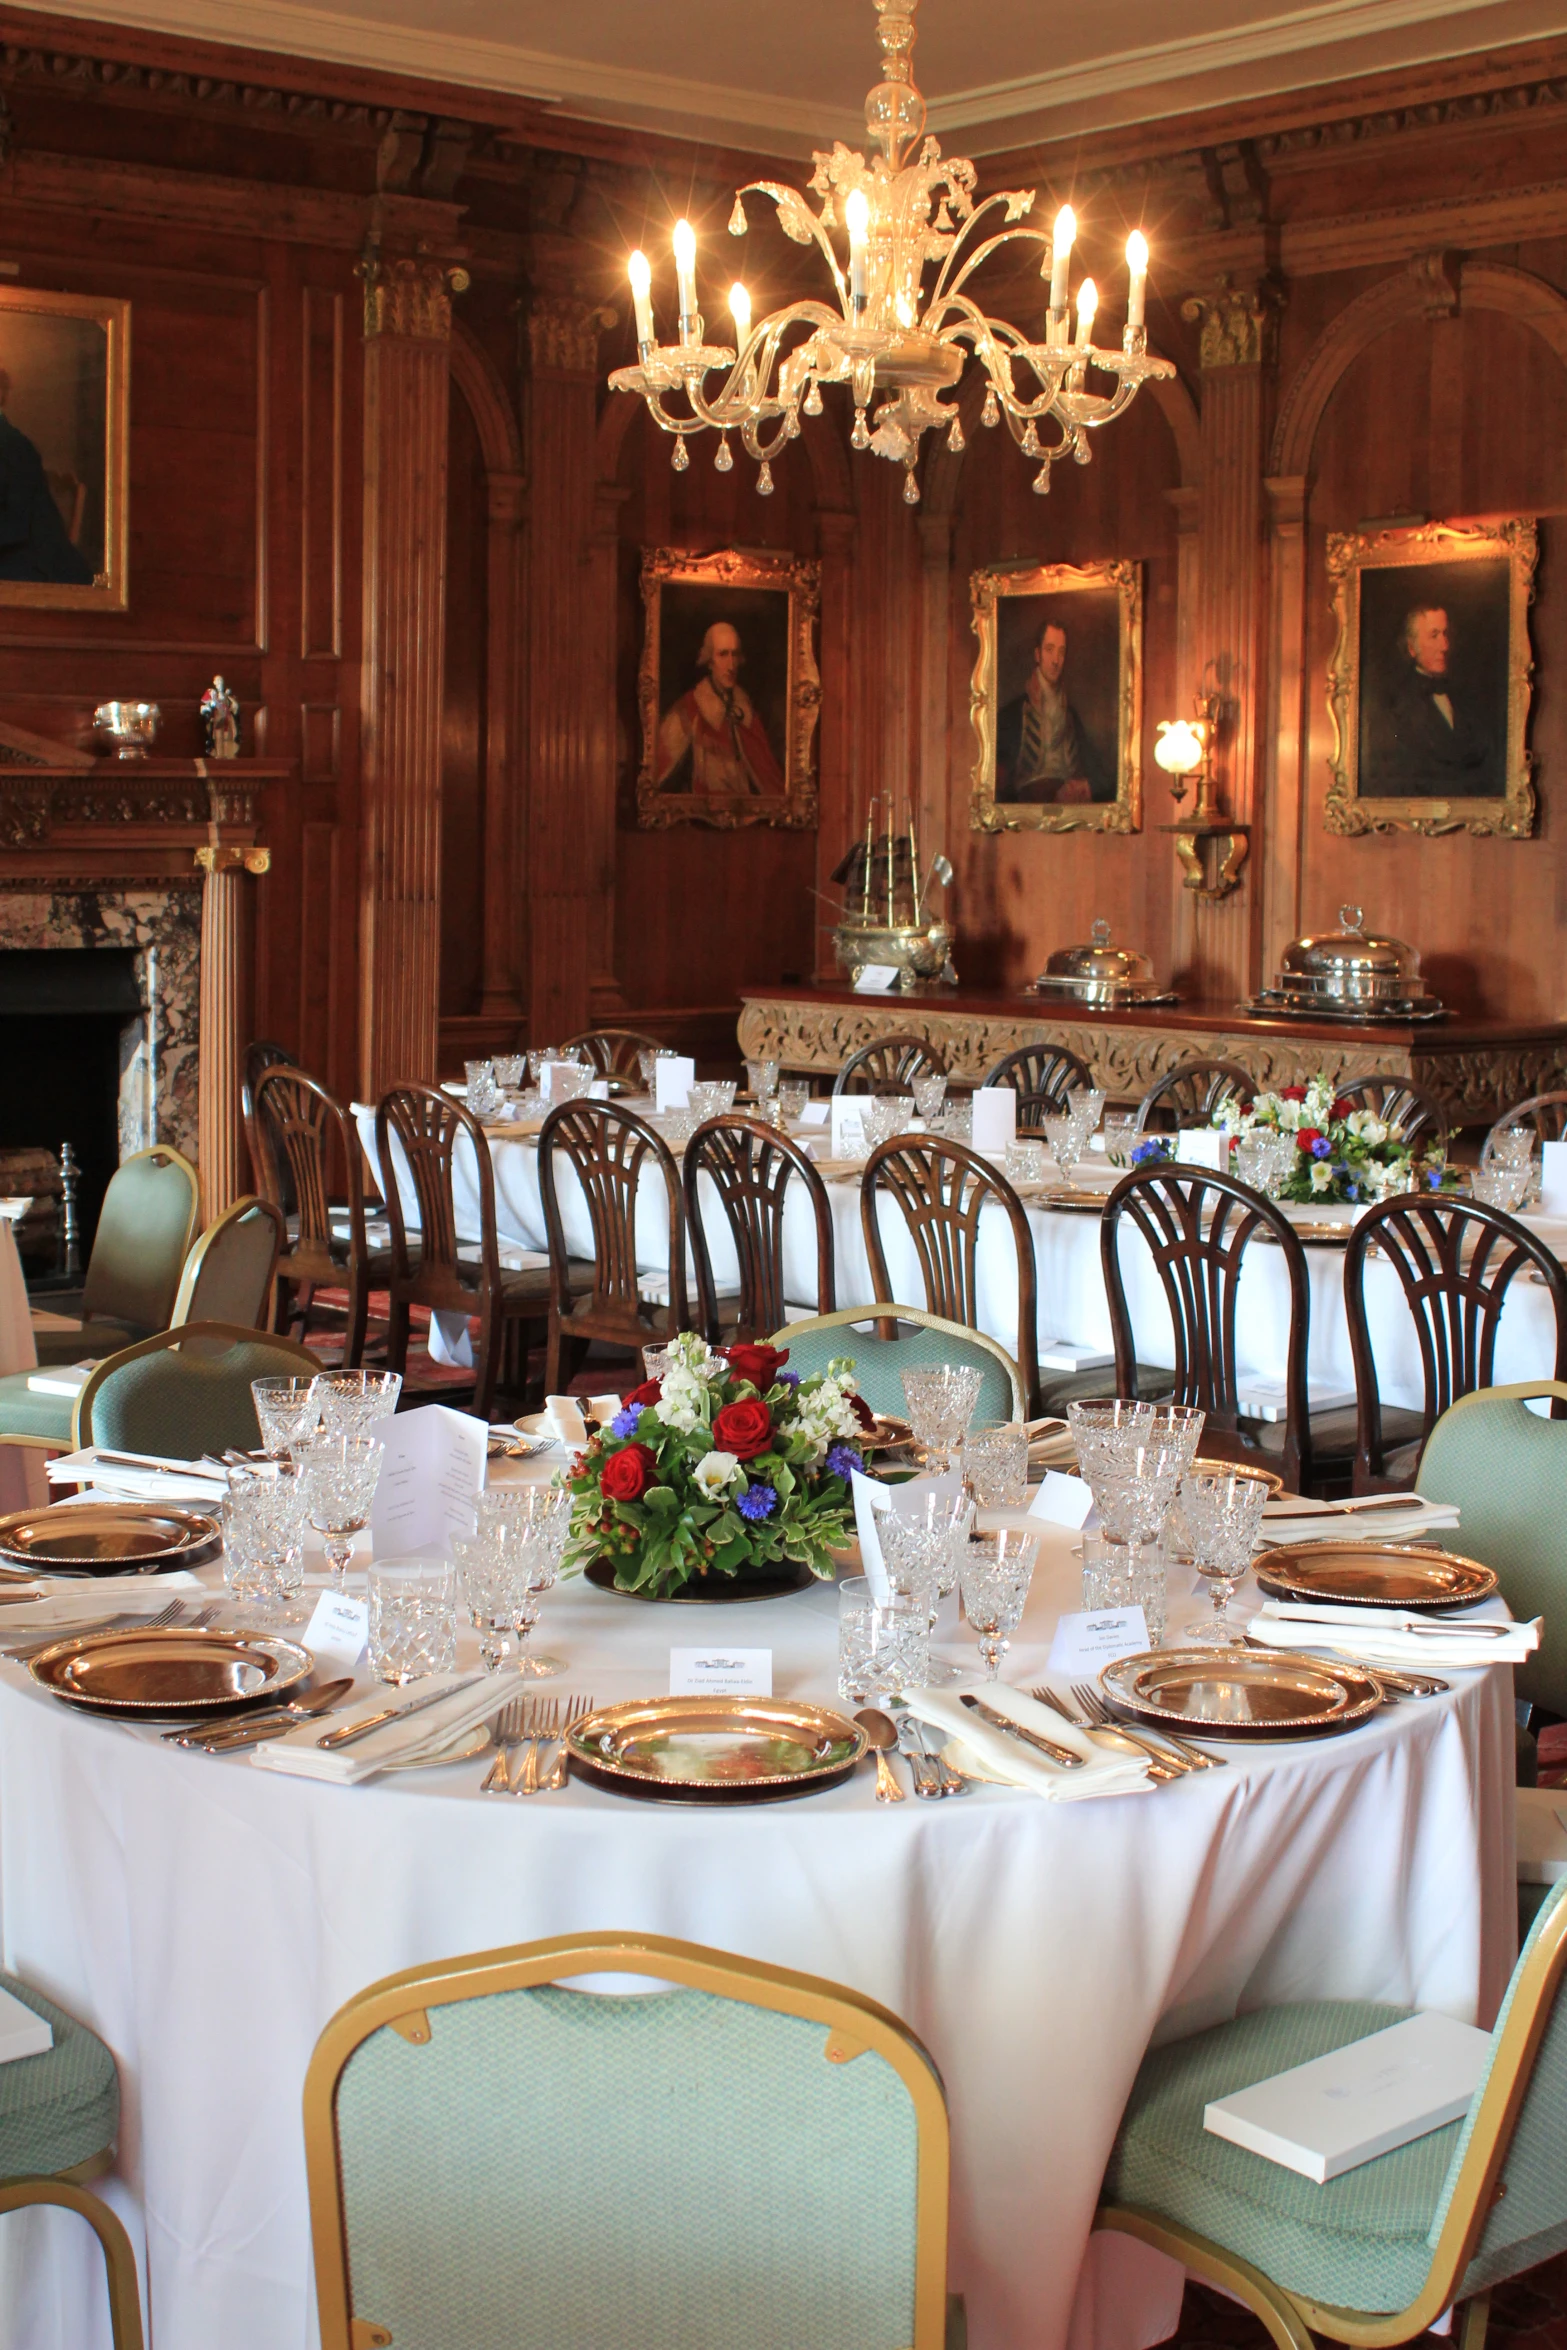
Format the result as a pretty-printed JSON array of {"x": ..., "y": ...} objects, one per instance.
[{"x": 1185, "y": 748}]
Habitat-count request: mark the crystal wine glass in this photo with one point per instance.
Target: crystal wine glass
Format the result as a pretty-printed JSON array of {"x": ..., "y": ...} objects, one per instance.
[
  {"x": 762, "y": 1078},
  {"x": 349, "y": 1401},
  {"x": 1087, "y": 1104},
  {"x": 1500, "y": 1187},
  {"x": 1063, "y": 1135},
  {"x": 288, "y": 1412},
  {"x": 929, "y": 1094},
  {"x": 1222, "y": 1509},
  {"x": 507, "y": 1564},
  {"x": 1120, "y": 1420},
  {"x": 338, "y": 1475},
  {"x": 1120, "y": 1135},
  {"x": 941, "y": 1400},
  {"x": 997, "y": 1571}
]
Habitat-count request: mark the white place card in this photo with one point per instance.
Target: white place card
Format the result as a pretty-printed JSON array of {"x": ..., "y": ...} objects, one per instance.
[
  {"x": 1066, "y": 1354},
  {"x": 846, "y": 1119},
  {"x": 673, "y": 1077},
  {"x": 551, "y": 1074},
  {"x": 1062, "y": 1500},
  {"x": 336, "y": 1634},
  {"x": 870, "y": 1498},
  {"x": 1089, "y": 1639},
  {"x": 995, "y": 1117},
  {"x": 1343, "y": 2109},
  {"x": 1553, "y": 1179},
  {"x": 815, "y": 1113},
  {"x": 720, "y": 1672},
  {"x": 1203, "y": 1146},
  {"x": 876, "y": 979},
  {"x": 430, "y": 1482}
]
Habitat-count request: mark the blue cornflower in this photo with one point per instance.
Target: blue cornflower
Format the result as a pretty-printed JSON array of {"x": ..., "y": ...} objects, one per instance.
[
  {"x": 757, "y": 1501},
  {"x": 1322, "y": 1148},
  {"x": 1434, "y": 1178},
  {"x": 786, "y": 1379},
  {"x": 1352, "y": 1191},
  {"x": 1156, "y": 1147},
  {"x": 625, "y": 1423},
  {"x": 844, "y": 1461}
]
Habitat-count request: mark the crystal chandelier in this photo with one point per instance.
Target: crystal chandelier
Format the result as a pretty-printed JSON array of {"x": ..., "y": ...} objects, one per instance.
[{"x": 897, "y": 344}]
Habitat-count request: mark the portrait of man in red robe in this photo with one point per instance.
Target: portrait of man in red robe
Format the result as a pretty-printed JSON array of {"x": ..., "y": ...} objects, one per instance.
[{"x": 711, "y": 742}]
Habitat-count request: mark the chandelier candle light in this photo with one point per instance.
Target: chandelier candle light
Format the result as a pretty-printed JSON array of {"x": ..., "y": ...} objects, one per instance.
[{"x": 889, "y": 339}]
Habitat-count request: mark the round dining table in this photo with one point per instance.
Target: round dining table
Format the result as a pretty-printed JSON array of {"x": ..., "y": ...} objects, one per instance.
[{"x": 207, "y": 1917}]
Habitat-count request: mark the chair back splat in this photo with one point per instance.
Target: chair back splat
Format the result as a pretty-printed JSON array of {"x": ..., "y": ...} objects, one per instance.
[
  {"x": 607, "y": 1151},
  {"x": 1455, "y": 1260},
  {"x": 419, "y": 1134},
  {"x": 889, "y": 1064},
  {"x": 744, "y": 1168},
  {"x": 1416, "y": 1115},
  {"x": 1197, "y": 1225},
  {"x": 1043, "y": 1076},
  {"x": 298, "y": 1127},
  {"x": 942, "y": 1189},
  {"x": 1191, "y": 1094},
  {"x": 427, "y": 2231},
  {"x": 613, "y": 1052}
]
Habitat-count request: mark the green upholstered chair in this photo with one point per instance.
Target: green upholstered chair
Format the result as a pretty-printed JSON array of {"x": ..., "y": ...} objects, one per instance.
[
  {"x": 751, "y": 2156},
  {"x": 145, "y": 1227},
  {"x": 185, "y": 1392},
  {"x": 228, "y": 1274},
  {"x": 1372, "y": 2257},
  {"x": 1506, "y": 1468},
  {"x": 58, "y": 2116},
  {"x": 880, "y": 1360}
]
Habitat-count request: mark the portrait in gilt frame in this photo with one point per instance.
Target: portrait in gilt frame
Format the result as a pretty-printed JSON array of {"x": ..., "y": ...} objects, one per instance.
[
  {"x": 1056, "y": 697},
  {"x": 64, "y": 384}
]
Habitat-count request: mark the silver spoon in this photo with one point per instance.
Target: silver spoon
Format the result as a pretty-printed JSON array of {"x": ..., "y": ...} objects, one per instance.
[{"x": 881, "y": 1735}]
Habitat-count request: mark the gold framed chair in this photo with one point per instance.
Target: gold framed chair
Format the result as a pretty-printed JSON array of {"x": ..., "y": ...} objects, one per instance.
[
  {"x": 150, "y": 1212},
  {"x": 228, "y": 1274},
  {"x": 1373, "y": 2257},
  {"x": 185, "y": 1392},
  {"x": 918, "y": 1337},
  {"x": 427, "y": 2227}
]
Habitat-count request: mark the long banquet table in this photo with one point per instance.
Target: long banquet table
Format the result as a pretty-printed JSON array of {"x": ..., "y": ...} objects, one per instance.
[
  {"x": 207, "y": 1918},
  {"x": 1072, "y": 1303}
]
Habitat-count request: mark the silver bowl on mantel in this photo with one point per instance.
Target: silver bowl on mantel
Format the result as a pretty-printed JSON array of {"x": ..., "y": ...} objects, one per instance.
[
  {"x": 1108, "y": 977},
  {"x": 130, "y": 726},
  {"x": 1349, "y": 974}
]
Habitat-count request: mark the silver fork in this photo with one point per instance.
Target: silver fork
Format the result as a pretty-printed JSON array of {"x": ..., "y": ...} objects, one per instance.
[
  {"x": 542, "y": 1720},
  {"x": 508, "y": 1737},
  {"x": 1160, "y": 1742},
  {"x": 1161, "y": 1766},
  {"x": 128, "y": 1620},
  {"x": 577, "y": 1709}
]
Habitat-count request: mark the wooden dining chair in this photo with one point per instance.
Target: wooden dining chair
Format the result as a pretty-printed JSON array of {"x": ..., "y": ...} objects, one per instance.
[
  {"x": 607, "y": 1148},
  {"x": 1456, "y": 1260},
  {"x": 749, "y": 1167},
  {"x": 417, "y": 1132},
  {"x": 613, "y": 1053},
  {"x": 1417, "y": 1116},
  {"x": 941, "y": 1189},
  {"x": 1545, "y": 1112},
  {"x": 1191, "y": 1094},
  {"x": 889, "y": 1064},
  {"x": 300, "y": 1131},
  {"x": 260, "y": 1055},
  {"x": 1197, "y": 1225},
  {"x": 1042, "y": 1076}
]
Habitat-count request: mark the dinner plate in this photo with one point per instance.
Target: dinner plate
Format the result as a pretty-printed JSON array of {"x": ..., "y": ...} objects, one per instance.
[
  {"x": 715, "y": 1749},
  {"x": 105, "y": 1537},
  {"x": 156, "y": 1676},
  {"x": 1242, "y": 1692},
  {"x": 1374, "y": 1574}
]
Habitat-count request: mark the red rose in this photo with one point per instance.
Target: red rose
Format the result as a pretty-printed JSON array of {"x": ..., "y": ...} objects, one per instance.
[
  {"x": 1343, "y": 1108},
  {"x": 1292, "y": 1093},
  {"x": 648, "y": 1393},
  {"x": 759, "y": 1364},
  {"x": 744, "y": 1428},
  {"x": 862, "y": 1411},
  {"x": 1307, "y": 1136},
  {"x": 627, "y": 1474}
]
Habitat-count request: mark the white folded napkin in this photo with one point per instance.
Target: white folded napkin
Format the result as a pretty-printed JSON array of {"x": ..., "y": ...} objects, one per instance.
[
  {"x": 1395, "y": 1636},
  {"x": 1110, "y": 1770},
  {"x": 51, "y": 1605},
  {"x": 567, "y": 1424},
  {"x": 1391, "y": 1517},
  {"x": 423, "y": 1735},
  {"x": 1051, "y": 1444},
  {"x": 116, "y": 1476}
]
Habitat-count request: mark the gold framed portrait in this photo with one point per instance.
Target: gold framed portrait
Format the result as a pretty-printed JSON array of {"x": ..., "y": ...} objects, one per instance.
[
  {"x": 1429, "y": 681},
  {"x": 728, "y": 690},
  {"x": 64, "y": 409},
  {"x": 1056, "y": 697}
]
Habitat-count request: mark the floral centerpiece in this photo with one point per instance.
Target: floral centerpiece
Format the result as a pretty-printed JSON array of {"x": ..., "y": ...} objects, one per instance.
[
  {"x": 1342, "y": 1154},
  {"x": 729, "y": 1468}
]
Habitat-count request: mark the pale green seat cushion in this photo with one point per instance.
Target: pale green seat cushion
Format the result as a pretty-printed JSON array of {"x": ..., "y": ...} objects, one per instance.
[
  {"x": 1359, "y": 2242},
  {"x": 91, "y": 1343},
  {"x": 1506, "y": 1468},
  {"x": 562, "y": 2170},
  {"x": 62, "y": 2107},
  {"x": 187, "y": 1403},
  {"x": 879, "y": 1364},
  {"x": 24, "y": 1412}
]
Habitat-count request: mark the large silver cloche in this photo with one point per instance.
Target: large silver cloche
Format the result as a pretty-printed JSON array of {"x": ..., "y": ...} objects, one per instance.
[
  {"x": 1349, "y": 974},
  {"x": 1102, "y": 974}
]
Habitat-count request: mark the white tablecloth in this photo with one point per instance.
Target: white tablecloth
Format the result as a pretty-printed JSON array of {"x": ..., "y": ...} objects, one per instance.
[
  {"x": 207, "y": 1918},
  {"x": 22, "y": 1484},
  {"x": 1072, "y": 1303}
]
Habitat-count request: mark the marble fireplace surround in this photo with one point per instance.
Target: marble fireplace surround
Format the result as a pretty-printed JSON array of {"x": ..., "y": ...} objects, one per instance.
[{"x": 162, "y": 923}]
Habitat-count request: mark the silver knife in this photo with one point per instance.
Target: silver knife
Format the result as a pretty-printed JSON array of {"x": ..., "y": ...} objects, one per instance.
[
  {"x": 1004, "y": 1722},
  {"x": 395, "y": 1713}
]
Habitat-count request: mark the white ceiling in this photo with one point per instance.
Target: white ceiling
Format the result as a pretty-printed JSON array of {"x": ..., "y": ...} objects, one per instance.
[{"x": 783, "y": 76}]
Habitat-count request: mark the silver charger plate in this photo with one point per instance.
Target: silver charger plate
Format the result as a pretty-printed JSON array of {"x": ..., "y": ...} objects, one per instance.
[
  {"x": 170, "y": 1675},
  {"x": 1374, "y": 1574},
  {"x": 105, "y": 1537},
  {"x": 1243, "y": 1693}
]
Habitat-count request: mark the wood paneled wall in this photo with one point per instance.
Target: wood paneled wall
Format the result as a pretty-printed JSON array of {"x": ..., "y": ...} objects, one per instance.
[{"x": 1400, "y": 247}]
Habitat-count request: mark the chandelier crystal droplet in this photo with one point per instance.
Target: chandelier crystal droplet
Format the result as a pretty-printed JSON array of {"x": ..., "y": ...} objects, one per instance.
[{"x": 899, "y": 321}]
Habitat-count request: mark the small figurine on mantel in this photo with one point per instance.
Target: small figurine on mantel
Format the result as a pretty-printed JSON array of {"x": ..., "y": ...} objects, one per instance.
[{"x": 220, "y": 721}]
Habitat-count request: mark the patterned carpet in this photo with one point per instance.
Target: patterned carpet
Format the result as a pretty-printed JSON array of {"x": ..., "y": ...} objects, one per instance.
[{"x": 1529, "y": 2314}]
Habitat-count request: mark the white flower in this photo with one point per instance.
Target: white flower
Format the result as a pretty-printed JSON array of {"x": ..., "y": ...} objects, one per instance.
[
  {"x": 713, "y": 1472},
  {"x": 682, "y": 1403},
  {"x": 1321, "y": 1175},
  {"x": 1291, "y": 1117},
  {"x": 691, "y": 1357}
]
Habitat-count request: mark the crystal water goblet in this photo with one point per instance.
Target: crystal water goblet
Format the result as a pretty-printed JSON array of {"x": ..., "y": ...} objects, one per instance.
[
  {"x": 996, "y": 1574},
  {"x": 1087, "y": 1105},
  {"x": 1097, "y": 1426},
  {"x": 714, "y": 1098},
  {"x": 1064, "y": 1139},
  {"x": 922, "y": 1549},
  {"x": 929, "y": 1094},
  {"x": 1222, "y": 1510},
  {"x": 1253, "y": 1158},
  {"x": 793, "y": 1094},
  {"x": 338, "y": 1474},
  {"x": 508, "y": 1069},
  {"x": 1180, "y": 1424},
  {"x": 349, "y": 1401},
  {"x": 762, "y": 1078},
  {"x": 413, "y": 1620},
  {"x": 941, "y": 1400},
  {"x": 288, "y": 1412},
  {"x": 1500, "y": 1187},
  {"x": 1513, "y": 1146},
  {"x": 1120, "y": 1128}
]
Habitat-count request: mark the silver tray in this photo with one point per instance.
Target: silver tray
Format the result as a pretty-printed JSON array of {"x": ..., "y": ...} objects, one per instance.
[
  {"x": 105, "y": 1537},
  {"x": 1244, "y": 1693},
  {"x": 722, "y": 1750},
  {"x": 170, "y": 1676},
  {"x": 1374, "y": 1574},
  {"x": 1273, "y": 1004}
]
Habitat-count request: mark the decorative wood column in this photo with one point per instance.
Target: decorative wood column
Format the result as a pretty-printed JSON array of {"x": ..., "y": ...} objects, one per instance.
[
  {"x": 571, "y": 769},
  {"x": 407, "y": 329},
  {"x": 1279, "y": 883},
  {"x": 842, "y": 800},
  {"x": 1238, "y": 347},
  {"x": 227, "y": 857},
  {"x": 498, "y": 999}
]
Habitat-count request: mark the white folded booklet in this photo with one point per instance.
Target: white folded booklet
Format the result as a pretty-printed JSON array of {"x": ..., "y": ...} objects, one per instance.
[
  {"x": 1329, "y": 2116},
  {"x": 22, "y": 2033},
  {"x": 61, "y": 1379}
]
